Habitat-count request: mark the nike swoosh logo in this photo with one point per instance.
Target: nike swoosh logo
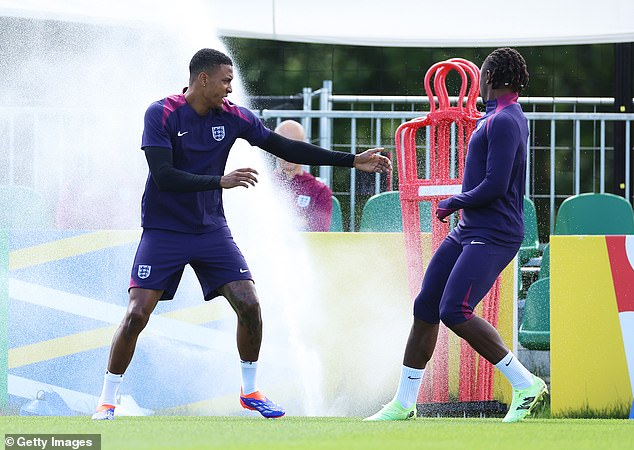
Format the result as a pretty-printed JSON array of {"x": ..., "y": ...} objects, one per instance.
[
  {"x": 182, "y": 133},
  {"x": 244, "y": 270},
  {"x": 509, "y": 361},
  {"x": 477, "y": 242},
  {"x": 412, "y": 378}
]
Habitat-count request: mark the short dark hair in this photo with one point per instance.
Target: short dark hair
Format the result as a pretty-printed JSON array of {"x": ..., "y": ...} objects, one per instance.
[
  {"x": 207, "y": 59},
  {"x": 508, "y": 69}
]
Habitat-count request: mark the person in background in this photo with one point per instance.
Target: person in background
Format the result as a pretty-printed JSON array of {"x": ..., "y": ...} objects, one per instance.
[
  {"x": 484, "y": 242},
  {"x": 311, "y": 198}
]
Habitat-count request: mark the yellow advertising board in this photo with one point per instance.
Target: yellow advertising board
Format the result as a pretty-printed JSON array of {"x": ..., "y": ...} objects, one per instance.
[
  {"x": 344, "y": 327},
  {"x": 378, "y": 313},
  {"x": 592, "y": 323}
]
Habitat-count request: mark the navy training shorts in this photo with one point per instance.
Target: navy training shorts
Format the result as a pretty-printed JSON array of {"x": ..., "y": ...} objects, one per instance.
[
  {"x": 162, "y": 255},
  {"x": 459, "y": 275}
]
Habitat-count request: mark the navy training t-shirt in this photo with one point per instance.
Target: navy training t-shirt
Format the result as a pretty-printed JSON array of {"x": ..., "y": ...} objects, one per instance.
[{"x": 200, "y": 145}]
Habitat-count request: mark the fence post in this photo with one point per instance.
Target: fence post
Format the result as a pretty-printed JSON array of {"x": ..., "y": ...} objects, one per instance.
[
  {"x": 377, "y": 176},
  {"x": 325, "y": 128},
  {"x": 353, "y": 173},
  {"x": 307, "y": 123},
  {"x": 307, "y": 94}
]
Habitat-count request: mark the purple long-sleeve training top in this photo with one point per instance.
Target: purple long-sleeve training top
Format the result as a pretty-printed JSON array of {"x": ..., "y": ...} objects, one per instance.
[{"x": 493, "y": 186}]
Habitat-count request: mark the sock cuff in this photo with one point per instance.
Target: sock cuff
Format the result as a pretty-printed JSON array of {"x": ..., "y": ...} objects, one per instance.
[
  {"x": 248, "y": 364},
  {"x": 506, "y": 360},
  {"x": 413, "y": 373},
  {"x": 113, "y": 377}
]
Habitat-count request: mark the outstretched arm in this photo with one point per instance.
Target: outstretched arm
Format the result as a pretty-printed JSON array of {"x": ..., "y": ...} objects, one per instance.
[
  {"x": 300, "y": 152},
  {"x": 372, "y": 161}
]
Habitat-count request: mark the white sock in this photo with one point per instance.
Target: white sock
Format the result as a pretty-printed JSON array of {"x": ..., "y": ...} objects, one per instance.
[
  {"x": 111, "y": 383},
  {"x": 249, "y": 371},
  {"x": 409, "y": 386},
  {"x": 515, "y": 372}
]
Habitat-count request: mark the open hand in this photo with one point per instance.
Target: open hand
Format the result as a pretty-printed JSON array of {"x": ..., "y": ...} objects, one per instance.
[
  {"x": 240, "y": 177},
  {"x": 371, "y": 161}
]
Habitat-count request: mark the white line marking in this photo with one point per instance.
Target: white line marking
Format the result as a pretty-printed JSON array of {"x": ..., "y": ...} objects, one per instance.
[
  {"x": 106, "y": 312},
  {"x": 77, "y": 401}
]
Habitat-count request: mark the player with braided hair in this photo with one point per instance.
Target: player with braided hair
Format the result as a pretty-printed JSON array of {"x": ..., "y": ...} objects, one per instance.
[
  {"x": 484, "y": 242},
  {"x": 508, "y": 69}
]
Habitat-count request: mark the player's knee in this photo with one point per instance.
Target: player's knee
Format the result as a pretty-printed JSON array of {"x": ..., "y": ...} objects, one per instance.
[
  {"x": 455, "y": 316},
  {"x": 450, "y": 316},
  {"x": 135, "y": 320},
  {"x": 249, "y": 307},
  {"x": 425, "y": 311}
]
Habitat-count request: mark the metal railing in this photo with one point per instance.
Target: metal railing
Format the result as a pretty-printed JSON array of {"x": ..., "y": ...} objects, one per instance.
[{"x": 569, "y": 152}]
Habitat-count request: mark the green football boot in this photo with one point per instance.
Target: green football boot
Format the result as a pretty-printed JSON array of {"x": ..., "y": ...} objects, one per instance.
[
  {"x": 394, "y": 411},
  {"x": 524, "y": 400}
]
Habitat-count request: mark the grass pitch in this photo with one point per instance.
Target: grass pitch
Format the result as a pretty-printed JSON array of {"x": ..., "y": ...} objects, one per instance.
[{"x": 177, "y": 432}]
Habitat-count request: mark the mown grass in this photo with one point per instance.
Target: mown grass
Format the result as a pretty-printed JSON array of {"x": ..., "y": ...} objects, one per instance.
[{"x": 178, "y": 432}]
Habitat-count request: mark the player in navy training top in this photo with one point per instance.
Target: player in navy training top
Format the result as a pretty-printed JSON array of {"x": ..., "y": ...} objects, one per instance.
[
  {"x": 187, "y": 139},
  {"x": 488, "y": 236}
]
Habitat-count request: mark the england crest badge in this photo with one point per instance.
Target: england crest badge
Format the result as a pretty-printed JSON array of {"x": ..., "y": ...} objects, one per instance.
[
  {"x": 218, "y": 132},
  {"x": 303, "y": 201},
  {"x": 144, "y": 271}
]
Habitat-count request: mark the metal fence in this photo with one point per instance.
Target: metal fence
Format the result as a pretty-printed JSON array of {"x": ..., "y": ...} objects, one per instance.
[
  {"x": 571, "y": 148},
  {"x": 572, "y": 144}
]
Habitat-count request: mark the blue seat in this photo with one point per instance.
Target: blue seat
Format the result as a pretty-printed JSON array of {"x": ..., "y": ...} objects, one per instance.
[
  {"x": 534, "y": 332},
  {"x": 336, "y": 223},
  {"x": 595, "y": 214},
  {"x": 22, "y": 208},
  {"x": 382, "y": 213},
  {"x": 530, "y": 245}
]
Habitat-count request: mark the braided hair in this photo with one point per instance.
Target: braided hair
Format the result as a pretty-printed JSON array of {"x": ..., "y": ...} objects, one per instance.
[{"x": 508, "y": 69}]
